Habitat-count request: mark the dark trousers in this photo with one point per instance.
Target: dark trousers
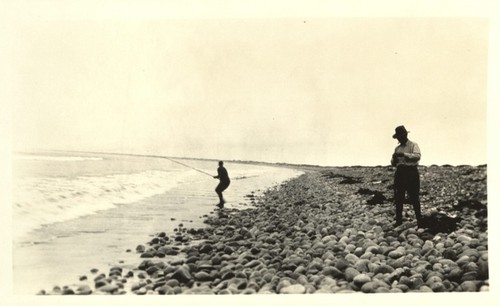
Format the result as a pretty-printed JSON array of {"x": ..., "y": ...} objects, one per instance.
[
  {"x": 220, "y": 188},
  {"x": 407, "y": 180}
]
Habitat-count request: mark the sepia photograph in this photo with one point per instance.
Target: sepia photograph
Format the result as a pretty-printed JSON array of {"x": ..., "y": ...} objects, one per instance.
[{"x": 319, "y": 152}]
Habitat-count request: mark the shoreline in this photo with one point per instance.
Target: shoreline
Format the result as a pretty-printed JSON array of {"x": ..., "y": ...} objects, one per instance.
[
  {"x": 326, "y": 231},
  {"x": 65, "y": 252}
]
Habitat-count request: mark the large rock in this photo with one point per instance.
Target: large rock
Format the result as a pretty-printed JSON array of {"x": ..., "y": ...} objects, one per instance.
[
  {"x": 206, "y": 248},
  {"x": 469, "y": 286},
  {"x": 203, "y": 276},
  {"x": 368, "y": 287},
  {"x": 351, "y": 258},
  {"x": 137, "y": 285},
  {"x": 397, "y": 253},
  {"x": 198, "y": 290},
  {"x": 100, "y": 283},
  {"x": 182, "y": 275},
  {"x": 384, "y": 269},
  {"x": 252, "y": 264},
  {"x": 471, "y": 266},
  {"x": 332, "y": 271},
  {"x": 110, "y": 288},
  {"x": 342, "y": 264},
  {"x": 228, "y": 275},
  {"x": 173, "y": 283},
  {"x": 437, "y": 287},
  {"x": 362, "y": 265},
  {"x": 472, "y": 275},
  {"x": 360, "y": 279},
  {"x": 416, "y": 282},
  {"x": 473, "y": 254},
  {"x": 148, "y": 254},
  {"x": 145, "y": 264},
  {"x": 464, "y": 239},
  {"x": 450, "y": 253},
  {"x": 455, "y": 274},
  {"x": 83, "y": 290},
  {"x": 425, "y": 289},
  {"x": 293, "y": 289},
  {"x": 153, "y": 269},
  {"x": 68, "y": 291},
  {"x": 463, "y": 260},
  {"x": 428, "y": 245},
  {"x": 350, "y": 274},
  {"x": 374, "y": 249},
  {"x": 482, "y": 264},
  {"x": 284, "y": 282}
]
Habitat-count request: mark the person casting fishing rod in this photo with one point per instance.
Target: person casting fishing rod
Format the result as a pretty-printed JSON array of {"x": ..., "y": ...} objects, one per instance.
[
  {"x": 224, "y": 182},
  {"x": 221, "y": 175}
]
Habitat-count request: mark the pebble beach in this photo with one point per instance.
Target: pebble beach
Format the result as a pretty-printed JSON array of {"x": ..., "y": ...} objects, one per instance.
[{"x": 330, "y": 230}]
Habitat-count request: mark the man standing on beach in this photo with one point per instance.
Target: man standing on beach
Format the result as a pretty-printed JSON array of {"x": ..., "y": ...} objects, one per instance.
[
  {"x": 407, "y": 178},
  {"x": 224, "y": 182}
]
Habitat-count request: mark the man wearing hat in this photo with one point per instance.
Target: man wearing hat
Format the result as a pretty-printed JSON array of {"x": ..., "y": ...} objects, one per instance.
[{"x": 406, "y": 179}]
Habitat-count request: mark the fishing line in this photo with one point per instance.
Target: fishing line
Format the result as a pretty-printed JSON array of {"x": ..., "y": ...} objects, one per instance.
[{"x": 189, "y": 167}]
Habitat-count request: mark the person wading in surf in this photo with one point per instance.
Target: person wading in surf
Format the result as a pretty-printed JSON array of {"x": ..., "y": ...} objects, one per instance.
[
  {"x": 224, "y": 182},
  {"x": 407, "y": 178}
]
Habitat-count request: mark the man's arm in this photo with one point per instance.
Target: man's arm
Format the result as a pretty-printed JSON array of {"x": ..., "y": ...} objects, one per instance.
[
  {"x": 395, "y": 156},
  {"x": 415, "y": 153},
  {"x": 218, "y": 173}
]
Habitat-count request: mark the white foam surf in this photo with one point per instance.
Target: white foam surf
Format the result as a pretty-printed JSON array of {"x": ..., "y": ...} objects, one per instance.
[{"x": 46, "y": 200}]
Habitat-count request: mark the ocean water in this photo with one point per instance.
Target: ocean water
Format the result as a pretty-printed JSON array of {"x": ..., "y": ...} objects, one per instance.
[{"x": 49, "y": 189}]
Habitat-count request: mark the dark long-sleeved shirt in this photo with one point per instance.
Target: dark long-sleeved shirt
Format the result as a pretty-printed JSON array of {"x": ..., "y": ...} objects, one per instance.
[{"x": 223, "y": 176}]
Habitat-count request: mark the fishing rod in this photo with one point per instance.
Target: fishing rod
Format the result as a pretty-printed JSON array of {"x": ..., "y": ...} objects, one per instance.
[
  {"x": 189, "y": 166},
  {"x": 155, "y": 156}
]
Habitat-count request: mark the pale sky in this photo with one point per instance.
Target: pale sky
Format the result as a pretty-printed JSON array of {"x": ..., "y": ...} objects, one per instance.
[{"x": 326, "y": 91}]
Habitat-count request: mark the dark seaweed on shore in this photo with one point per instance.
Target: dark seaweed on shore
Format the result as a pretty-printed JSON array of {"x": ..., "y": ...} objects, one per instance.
[{"x": 327, "y": 231}]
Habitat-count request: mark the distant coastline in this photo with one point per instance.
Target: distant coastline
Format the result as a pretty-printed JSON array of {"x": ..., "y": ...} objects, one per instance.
[{"x": 299, "y": 166}]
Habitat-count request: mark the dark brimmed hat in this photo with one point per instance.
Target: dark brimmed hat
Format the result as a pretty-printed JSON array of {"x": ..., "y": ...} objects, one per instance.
[{"x": 400, "y": 131}]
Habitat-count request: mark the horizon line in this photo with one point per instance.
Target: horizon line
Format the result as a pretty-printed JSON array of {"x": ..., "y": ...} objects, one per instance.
[{"x": 234, "y": 160}]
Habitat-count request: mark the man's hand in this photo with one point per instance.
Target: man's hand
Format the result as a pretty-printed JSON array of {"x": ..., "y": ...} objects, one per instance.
[{"x": 398, "y": 154}]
